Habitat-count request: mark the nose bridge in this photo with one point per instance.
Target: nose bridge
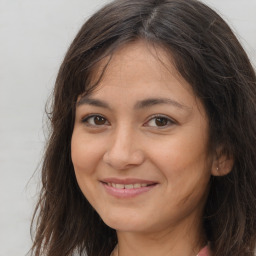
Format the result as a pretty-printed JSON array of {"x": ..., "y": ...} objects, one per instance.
[
  {"x": 123, "y": 150},
  {"x": 123, "y": 138}
]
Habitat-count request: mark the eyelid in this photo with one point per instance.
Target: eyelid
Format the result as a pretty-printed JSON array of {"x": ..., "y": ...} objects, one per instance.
[
  {"x": 85, "y": 119},
  {"x": 169, "y": 119}
]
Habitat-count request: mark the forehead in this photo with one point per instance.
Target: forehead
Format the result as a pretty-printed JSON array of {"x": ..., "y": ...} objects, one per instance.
[
  {"x": 140, "y": 71},
  {"x": 137, "y": 60}
]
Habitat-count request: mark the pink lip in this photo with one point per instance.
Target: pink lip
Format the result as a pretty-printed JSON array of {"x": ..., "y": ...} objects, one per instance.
[
  {"x": 128, "y": 181},
  {"x": 127, "y": 193}
]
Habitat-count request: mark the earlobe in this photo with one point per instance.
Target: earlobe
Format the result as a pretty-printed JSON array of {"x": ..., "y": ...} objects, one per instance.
[{"x": 222, "y": 165}]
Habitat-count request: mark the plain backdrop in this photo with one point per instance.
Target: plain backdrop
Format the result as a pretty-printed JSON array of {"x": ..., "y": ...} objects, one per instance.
[{"x": 34, "y": 36}]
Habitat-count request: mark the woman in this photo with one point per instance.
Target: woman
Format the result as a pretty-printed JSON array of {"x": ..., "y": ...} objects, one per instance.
[{"x": 152, "y": 150}]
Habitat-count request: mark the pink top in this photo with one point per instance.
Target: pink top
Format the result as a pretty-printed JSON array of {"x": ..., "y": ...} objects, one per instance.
[{"x": 204, "y": 252}]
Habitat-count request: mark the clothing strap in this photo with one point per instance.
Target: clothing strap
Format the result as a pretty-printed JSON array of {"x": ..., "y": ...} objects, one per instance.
[{"x": 205, "y": 251}]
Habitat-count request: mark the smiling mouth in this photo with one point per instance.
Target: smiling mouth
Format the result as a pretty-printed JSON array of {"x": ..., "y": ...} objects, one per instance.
[{"x": 128, "y": 186}]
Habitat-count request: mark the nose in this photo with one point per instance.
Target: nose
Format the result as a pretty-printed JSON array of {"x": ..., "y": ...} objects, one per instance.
[{"x": 123, "y": 151}]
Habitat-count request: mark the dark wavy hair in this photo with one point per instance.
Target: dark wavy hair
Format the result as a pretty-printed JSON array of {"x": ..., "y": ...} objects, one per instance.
[{"x": 208, "y": 55}]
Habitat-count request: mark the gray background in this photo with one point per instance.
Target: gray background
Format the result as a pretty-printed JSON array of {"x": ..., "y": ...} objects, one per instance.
[{"x": 34, "y": 35}]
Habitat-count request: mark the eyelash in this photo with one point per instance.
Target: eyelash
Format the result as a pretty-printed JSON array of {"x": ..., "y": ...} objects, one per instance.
[
  {"x": 86, "y": 119},
  {"x": 164, "y": 118}
]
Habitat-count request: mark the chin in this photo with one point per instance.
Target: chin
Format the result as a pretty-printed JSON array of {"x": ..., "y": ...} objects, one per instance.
[{"x": 124, "y": 223}]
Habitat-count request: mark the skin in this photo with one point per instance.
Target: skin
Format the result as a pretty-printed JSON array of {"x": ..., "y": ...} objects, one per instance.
[{"x": 128, "y": 141}]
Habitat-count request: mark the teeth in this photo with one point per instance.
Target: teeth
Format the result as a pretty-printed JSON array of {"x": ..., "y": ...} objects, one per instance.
[
  {"x": 127, "y": 186},
  {"x": 120, "y": 186}
]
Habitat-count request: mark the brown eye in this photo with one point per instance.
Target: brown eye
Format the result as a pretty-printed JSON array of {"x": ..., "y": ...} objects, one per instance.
[
  {"x": 161, "y": 121},
  {"x": 99, "y": 120},
  {"x": 95, "y": 120}
]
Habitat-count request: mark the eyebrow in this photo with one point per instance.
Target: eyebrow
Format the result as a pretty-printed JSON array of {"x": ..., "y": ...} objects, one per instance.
[
  {"x": 93, "y": 102},
  {"x": 139, "y": 105},
  {"x": 159, "y": 101}
]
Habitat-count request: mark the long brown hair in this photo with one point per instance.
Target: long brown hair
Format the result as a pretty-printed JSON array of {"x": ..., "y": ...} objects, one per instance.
[{"x": 208, "y": 55}]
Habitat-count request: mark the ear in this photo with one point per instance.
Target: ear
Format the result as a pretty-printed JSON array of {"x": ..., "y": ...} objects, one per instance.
[{"x": 222, "y": 163}]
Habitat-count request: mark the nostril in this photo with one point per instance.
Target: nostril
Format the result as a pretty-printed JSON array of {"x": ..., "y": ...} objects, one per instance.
[{"x": 123, "y": 159}]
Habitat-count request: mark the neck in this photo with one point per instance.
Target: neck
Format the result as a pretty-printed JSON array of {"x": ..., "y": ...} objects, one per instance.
[{"x": 173, "y": 241}]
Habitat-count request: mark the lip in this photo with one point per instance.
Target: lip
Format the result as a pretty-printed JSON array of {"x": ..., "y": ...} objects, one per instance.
[
  {"x": 128, "y": 181},
  {"x": 127, "y": 193}
]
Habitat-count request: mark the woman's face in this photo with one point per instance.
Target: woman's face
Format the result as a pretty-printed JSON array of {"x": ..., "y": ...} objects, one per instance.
[{"x": 140, "y": 144}]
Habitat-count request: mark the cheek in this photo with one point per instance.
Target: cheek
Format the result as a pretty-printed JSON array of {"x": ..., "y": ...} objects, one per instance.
[
  {"x": 186, "y": 173},
  {"x": 181, "y": 153},
  {"x": 85, "y": 154},
  {"x": 184, "y": 163},
  {"x": 85, "y": 158}
]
